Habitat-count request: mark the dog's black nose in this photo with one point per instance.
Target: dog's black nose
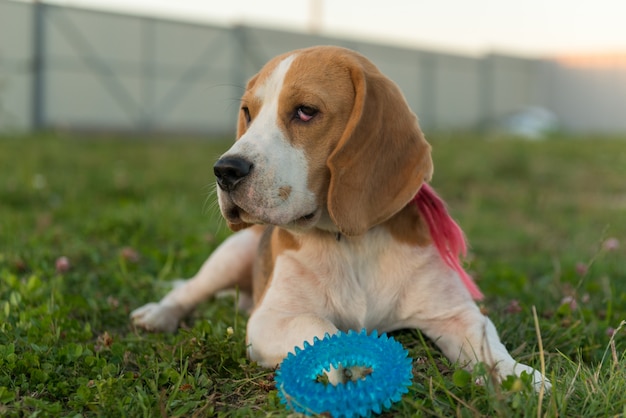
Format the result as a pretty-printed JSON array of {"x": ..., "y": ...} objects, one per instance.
[{"x": 230, "y": 171}]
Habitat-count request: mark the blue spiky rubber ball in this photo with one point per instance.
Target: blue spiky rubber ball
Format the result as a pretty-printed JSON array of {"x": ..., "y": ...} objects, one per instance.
[{"x": 389, "y": 378}]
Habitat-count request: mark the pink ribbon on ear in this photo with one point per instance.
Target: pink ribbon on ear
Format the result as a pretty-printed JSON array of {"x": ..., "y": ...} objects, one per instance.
[{"x": 446, "y": 234}]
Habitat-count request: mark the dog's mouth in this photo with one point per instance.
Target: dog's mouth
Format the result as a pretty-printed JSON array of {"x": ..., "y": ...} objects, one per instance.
[
  {"x": 236, "y": 215},
  {"x": 307, "y": 220},
  {"x": 233, "y": 215},
  {"x": 308, "y": 217}
]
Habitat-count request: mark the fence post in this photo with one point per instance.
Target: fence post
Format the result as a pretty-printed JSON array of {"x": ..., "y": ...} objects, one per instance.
[
  {"x": 239, "y": 43},
  {"x": 486, "y": 89},
  {"x": 148, "y": 64},
  {"x": 427, "y": 74},
  {"x": 38, "y": 67}
]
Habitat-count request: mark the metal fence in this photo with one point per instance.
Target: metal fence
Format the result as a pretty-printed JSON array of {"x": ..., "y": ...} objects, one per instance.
[{"x": 64, "y": 67}]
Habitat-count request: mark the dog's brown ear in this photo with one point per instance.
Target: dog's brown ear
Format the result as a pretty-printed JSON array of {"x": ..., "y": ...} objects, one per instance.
[{"x": 382, "y": 158}]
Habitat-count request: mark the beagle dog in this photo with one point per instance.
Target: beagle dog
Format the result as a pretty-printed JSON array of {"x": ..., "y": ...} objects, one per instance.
[{"x": 336, "y": 228}]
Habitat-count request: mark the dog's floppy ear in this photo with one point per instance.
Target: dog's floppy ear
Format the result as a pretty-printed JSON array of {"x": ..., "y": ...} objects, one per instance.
[{"x": 382, "y": 158}]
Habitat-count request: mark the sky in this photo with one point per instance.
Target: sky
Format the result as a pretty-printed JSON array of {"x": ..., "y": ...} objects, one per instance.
[{"x": 523, "y": 27}]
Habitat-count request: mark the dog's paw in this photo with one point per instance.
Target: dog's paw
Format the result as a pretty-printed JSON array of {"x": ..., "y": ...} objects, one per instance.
[
  {"x": 157, "y": 317},
  {"x": 339, "y": 375},
  {"x": 517, "y": 369}
]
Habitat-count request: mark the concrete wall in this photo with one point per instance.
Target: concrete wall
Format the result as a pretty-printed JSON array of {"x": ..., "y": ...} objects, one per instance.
[{"x": 62, "y": 67}]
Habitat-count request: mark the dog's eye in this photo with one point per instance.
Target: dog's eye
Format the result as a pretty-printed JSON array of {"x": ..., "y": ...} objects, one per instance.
[
  {"x": 305, "y": 113},
  {"x": 246, "y": 113}
]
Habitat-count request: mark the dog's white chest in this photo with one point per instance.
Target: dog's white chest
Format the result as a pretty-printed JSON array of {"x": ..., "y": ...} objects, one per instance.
[{"x": 354, "y": 282}]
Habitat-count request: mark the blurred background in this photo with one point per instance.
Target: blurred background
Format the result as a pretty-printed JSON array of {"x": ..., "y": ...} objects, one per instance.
[{"x": 146, "y": 66}]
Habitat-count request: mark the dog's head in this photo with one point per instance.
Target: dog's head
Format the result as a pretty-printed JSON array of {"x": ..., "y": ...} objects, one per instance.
[{"x": 324, "y": 140}]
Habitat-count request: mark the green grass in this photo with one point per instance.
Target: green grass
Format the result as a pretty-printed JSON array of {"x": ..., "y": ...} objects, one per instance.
[{"x": 132, "y": 214}]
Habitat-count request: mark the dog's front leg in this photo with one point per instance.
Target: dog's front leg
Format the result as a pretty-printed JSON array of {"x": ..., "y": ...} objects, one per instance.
[
  {"x": 229, "y": 265},
  {"x": 465, "y": 335},
  {"x": 272, "y": 334}
]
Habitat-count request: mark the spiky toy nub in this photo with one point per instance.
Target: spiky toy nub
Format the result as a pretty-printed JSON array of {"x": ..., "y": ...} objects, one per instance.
[{"x": 391, "y": 372}]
